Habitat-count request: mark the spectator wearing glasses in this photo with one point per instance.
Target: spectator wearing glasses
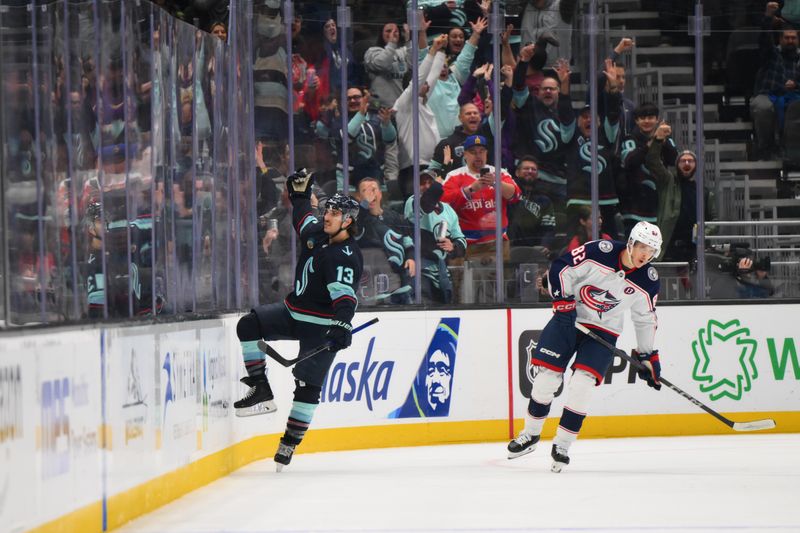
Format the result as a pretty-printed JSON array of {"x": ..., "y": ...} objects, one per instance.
[
  {"x": 545, "y": 125},
  {"x": 369, "y": 131}
]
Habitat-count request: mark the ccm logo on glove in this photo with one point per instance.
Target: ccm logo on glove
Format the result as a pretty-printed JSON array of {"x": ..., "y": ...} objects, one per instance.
[{"x": 564, "y": 306}]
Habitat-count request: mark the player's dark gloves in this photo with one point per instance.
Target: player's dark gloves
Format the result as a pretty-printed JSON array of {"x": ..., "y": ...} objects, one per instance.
[
  {"x": 339, "y": 335},
  {"x": 650, "y": 371},
  {"x": 299, "y": 183},
  {"x": 564, "y": 312}
]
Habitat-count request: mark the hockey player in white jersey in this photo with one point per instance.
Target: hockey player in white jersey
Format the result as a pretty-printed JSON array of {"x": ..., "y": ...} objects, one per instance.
[{"x": 593, "y": 284}]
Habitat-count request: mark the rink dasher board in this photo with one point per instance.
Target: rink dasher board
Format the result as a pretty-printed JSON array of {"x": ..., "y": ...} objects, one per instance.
[
  {"x": 115, "y": 422},
  {"x": 751, "y": 365}
]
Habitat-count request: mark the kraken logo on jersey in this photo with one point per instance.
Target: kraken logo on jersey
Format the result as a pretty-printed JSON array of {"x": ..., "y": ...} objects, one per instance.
[
  {"x": 548, "y": 133},
  {"x": 367, "y": 143},
  {"x": 392, "y": 241},
  {"x": 597, "y": 299},
  {"x": 586, "y": 155},
  {"x": 301, "y": 284}
]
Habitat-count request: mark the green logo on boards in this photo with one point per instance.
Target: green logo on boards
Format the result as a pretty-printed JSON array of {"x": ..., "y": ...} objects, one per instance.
[{"x": 724, "y": 360}]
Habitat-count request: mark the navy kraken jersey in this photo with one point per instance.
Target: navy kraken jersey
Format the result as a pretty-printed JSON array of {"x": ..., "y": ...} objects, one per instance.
[
  {"x": 545, "y": 133},
  {"x": 327, "y": 274},
  {"x": 604, "y": 289},
  {"x": 579, "y": 161}
]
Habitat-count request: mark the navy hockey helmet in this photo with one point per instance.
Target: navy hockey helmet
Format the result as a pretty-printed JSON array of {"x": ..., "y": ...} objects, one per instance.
[{"x": 347, "y": 205}]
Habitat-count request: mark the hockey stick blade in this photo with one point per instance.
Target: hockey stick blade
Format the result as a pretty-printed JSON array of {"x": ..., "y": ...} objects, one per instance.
[
  {"x": 273, "y": 354},
  {"x": 270, "y": 351},
  {"x": 756, "y": 425}
]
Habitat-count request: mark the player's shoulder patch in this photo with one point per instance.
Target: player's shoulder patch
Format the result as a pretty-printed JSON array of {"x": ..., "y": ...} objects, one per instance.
[
  {"x": 605, "y": 246},
  {"x": 310, "y": 244},
  {"x": 346, "y": 250},
  {"x": 652, "y": 273}
]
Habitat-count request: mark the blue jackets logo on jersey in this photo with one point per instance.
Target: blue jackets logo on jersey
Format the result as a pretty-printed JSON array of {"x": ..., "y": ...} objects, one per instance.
[
  {"x": 432, "y": 387},
  {"x": 599, "y": 300}
]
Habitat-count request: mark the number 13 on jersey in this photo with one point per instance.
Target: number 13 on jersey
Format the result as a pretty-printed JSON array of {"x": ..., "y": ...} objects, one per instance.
[{"x": 344, "y": 274}]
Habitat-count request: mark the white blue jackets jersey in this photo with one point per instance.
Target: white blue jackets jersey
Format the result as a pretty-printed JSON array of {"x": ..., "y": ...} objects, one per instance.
[{"x": 603, "y": 289}]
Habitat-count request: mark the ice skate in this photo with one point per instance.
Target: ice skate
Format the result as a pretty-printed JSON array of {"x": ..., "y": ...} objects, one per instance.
[
  {"x": 560, "y": 458},
  {"x": 284, "y": 454},
  {"x": 257, "y": 400},
  {"x": 522, "y": 445}
]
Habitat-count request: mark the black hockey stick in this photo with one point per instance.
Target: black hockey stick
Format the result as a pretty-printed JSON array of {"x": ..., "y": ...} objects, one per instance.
[
  {"x": 270, "y": 351},
  {"x": 755, "y": 425}
]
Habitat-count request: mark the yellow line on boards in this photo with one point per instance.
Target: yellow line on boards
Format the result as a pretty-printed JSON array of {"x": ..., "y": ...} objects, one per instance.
[
  {"x": 151, "y": 495},
  {"x": 89, "y": 519}
]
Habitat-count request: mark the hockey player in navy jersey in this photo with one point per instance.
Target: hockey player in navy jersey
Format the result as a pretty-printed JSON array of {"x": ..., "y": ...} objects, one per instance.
[
  {"x": 593, "y": 284},
  {"x": 319, "y": 310}
]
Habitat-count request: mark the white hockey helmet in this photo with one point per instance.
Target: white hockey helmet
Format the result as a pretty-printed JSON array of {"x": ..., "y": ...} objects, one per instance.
[{"x": 646, "y": 233}]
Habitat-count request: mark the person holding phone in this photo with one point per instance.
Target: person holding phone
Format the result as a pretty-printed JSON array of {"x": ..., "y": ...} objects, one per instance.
[{"x": 470, "y": 191}]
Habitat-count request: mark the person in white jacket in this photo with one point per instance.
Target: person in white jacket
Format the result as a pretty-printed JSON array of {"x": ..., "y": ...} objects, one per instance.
[
  {"x": 444, "y": 99},
  {"x": 404, "y": 108}
]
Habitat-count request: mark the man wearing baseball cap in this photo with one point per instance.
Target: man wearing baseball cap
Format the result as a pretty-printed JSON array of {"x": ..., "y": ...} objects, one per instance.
[{"x": 470, "y": 191}]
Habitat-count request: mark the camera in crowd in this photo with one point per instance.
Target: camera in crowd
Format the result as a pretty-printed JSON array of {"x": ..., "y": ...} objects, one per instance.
[
  {"x": 735, "y": 253},
  {"x": 374, "y": 103},
  {"x": 269, "y": 220}
]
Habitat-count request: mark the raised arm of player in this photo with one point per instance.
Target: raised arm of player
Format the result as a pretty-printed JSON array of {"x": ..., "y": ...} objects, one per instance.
[{"x": 299, "y": 185}]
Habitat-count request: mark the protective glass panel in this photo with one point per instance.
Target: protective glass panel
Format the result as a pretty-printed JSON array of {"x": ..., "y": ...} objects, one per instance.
[
  {"x": 162, "y": 123},
  {"x": 30, "y": 262}
]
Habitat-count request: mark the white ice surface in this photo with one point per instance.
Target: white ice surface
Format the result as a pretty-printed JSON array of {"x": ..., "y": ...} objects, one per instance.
[{"x": 680, "y": 484}]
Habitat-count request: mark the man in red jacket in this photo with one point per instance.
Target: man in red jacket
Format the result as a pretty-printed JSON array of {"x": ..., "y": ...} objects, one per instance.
[{"x": 470, "y": 192}]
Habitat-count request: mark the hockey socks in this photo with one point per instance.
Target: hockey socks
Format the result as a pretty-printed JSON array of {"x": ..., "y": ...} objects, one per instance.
[
  {"x": 299, "y": 419},
  {"x": 306, "y": 400},
  {"x": 579, "y": 393},
  {"x": 568, "y": 428},
  {"x": 254, "y": 359}
]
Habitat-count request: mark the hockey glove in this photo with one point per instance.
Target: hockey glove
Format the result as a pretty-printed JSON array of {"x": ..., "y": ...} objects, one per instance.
[
  {"x": 564, "y": 312},
  {"x": 339, "y": 335},
  {"x": 650, "y": 371},
  {"x": 299, "y": 183}
]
